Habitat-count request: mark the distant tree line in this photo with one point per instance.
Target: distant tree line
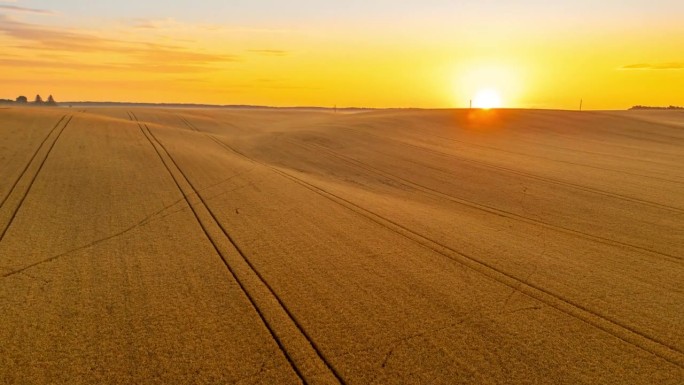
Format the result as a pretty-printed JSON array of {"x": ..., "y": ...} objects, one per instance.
[
  {"x": 656, "y": 108},
  {"x": 38, "y": 101}
]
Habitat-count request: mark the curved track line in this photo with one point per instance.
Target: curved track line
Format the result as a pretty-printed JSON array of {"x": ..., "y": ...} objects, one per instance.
[
  {"x": 576, "y": 310},
  {"x": 632, "y": 119},
  {"x": 218, "y": 250},
  {"x": 543, "y": 121},
  {"x": 494, "y": 210},
  {"x": 566, "y": 162},
  {"x": 28, "y": 189},
  {"x": 252, "y": 301},
  {"x": 504, "y": 276},
  {"x": 537, "y": 177},
  {"x": 301, "y": 329},
  {"x": 28, "y": 164},
  {"x": 512, "y": 152},
  {"x": 563, "y": 161},
  {"x": 143, "y": 222}
]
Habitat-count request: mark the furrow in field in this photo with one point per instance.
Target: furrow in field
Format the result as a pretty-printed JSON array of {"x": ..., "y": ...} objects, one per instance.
[
  {"x": 134, "y": 293},
  {"x": 493, "y": 210},
  {"x": 304, "y": 357},
  {"x": 28, "y": 180},
  {"x": 606, "y": 323},
  {"x": 28, "y": 164},
  {"x": 152, "y": 140},
  {"x": 564, "y": 161},
  {"x": 301, "y": 329},
  {"x": 422, "y": 148},
  {"x": 541, "y": 178},
  {"x": 613, "y": 326}
]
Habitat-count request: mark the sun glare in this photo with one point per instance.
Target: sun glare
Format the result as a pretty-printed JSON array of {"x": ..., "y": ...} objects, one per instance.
[{"x": 487, "y": 98}]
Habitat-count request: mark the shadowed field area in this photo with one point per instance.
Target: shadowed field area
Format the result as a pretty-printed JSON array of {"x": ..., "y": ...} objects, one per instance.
[{"x": 190, "y": 246}]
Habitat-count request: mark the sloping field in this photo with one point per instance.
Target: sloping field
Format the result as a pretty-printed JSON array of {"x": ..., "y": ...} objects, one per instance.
[{"x": 177, "y": 246}]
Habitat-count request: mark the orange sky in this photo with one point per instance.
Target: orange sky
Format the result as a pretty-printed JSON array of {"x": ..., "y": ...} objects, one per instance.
[{"x": 431, "y": 53}]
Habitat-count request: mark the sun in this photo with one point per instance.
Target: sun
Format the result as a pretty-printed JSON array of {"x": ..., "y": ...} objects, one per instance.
[{"x": 487, "y": 98}]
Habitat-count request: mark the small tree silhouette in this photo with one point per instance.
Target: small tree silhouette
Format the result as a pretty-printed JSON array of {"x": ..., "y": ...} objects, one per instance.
[
  {"x": 51, "y": 101},
  {"x": 39, "y": 100},
  {"x": 22, "y": 99}
]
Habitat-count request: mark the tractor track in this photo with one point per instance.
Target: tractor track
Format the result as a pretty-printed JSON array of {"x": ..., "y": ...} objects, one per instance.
[
  {"x": 490, "y": 209},
  {"x": 661, "y": 206},
  {"x": 507, "y": 151},
  {"x": 608, "y": 324},
  {"x": 306, "y": 335},
  {"x": 152, "y": 138},
  {"x": 554, "y": 181},
  {"x": 35, "y": 175},
  {"x": 564, "y": 161},
  {"x": 28, "y": 164},
  {"x": 544, "y": 121}
]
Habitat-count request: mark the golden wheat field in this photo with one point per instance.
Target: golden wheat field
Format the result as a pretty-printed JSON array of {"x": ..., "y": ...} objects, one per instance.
[{"x": 218, "y": 246}]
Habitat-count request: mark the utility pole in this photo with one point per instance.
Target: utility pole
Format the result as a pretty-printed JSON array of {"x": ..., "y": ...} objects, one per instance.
[
  {"x": 471, "y": 104},
  {"x": 581, "y": 101}
]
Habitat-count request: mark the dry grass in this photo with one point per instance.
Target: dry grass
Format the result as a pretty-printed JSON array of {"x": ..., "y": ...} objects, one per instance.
[{"x": 164, "y": 246}]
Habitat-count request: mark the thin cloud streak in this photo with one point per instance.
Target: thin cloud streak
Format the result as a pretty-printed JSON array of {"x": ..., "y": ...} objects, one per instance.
[
  {"x": 656, "y": 66},
  {"x": 52, "y": 39},
  {"x": 151, "y": 24},
  {"x": 108, "y": 67},
  {"x": 15, "y": 8},
  {"x": 269, "y": 52},
  {"x": 137, "y": 56}
]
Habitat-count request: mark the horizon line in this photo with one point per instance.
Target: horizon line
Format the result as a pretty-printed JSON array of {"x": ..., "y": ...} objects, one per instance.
[{"x": 261, "y": 106}]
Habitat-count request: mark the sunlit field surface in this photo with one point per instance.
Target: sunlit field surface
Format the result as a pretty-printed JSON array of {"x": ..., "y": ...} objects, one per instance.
[{"x": 217, "y": 246}]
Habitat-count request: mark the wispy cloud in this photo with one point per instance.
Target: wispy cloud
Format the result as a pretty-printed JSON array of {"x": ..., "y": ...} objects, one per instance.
[
  {"x": 143, "y": 23},
  {"x": 46, "y": 38},
  {"x": 271, "y": 84},
  {"x": 129, "y": 55},
  {"x": 655, "y": 66},
  {"x": 269, "y": 52},
  {"x": 16, "y": 8},
  {"x": 108, "y": 67},
  {"x": 156, "y": 24},
  {"x": 159, "y": 54},
  {"x": 54, "y": 64}
]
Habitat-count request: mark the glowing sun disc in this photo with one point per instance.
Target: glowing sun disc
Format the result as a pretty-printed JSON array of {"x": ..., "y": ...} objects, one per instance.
[{"x": 487, "y": 98}]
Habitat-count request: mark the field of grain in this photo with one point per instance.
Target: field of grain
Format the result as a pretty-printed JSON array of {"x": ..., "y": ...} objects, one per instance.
[{"x": 207, "y": 246}]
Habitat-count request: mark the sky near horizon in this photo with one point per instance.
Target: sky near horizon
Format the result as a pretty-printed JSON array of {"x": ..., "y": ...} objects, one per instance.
[{"x": 372, "y": 53}]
